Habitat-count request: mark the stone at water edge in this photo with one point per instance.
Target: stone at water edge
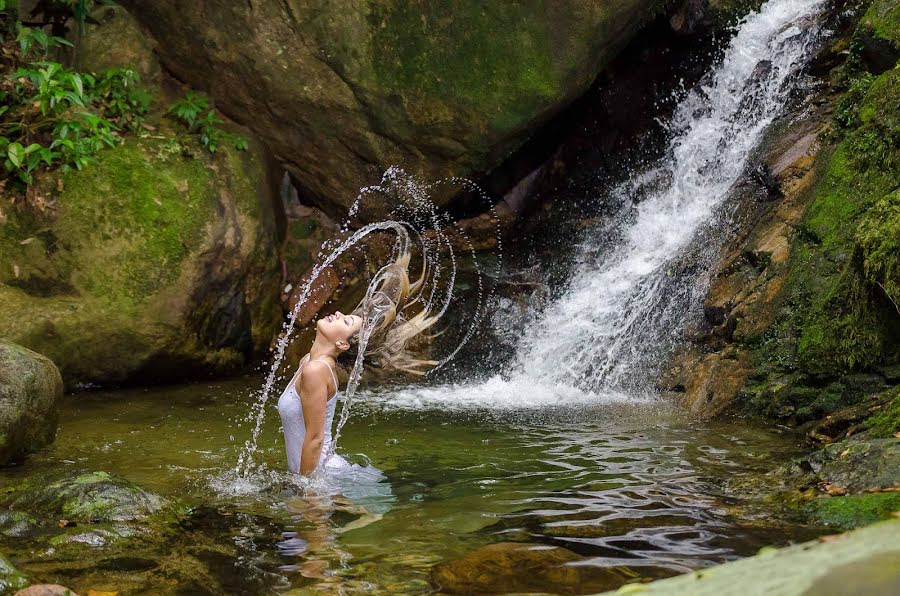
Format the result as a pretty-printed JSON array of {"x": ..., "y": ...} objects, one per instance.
[
  {"x": 865, "y": 561},
  {"x": 30, "y": 390},
  {"x": 46, "y": 590}
]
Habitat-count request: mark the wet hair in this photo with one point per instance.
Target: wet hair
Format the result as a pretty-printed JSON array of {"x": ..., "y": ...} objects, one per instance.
[{"x": 395, "y": 313}]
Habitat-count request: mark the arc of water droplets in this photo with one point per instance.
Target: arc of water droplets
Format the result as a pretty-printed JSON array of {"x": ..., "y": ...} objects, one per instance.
[{"x": 422, "y": 212}]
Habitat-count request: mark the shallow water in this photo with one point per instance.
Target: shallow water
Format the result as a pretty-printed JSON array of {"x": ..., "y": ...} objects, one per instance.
[{"x": 627, "y": 486}]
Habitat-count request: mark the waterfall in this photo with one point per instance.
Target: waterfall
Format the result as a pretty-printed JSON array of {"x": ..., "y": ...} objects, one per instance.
[{"x": 625, "y": 304}]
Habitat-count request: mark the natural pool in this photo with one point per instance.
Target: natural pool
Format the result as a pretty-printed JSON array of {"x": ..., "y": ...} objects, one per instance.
[{"x": 635, "y": 489}]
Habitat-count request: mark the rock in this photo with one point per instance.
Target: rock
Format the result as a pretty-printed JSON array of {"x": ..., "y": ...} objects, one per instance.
[
  {"x": 117, "y": 41},
  {"x": 858, "y": 465},
  {"x": 15, "y": 524},
  {"x": 865, "y": 561},
  {"x": 517, "y": 567},
  {"x": 30, "y": 391},
  {"x": 46, "y": 590},
  {"x": 879, "y": 34},
  {"x": 157, "y": 262},
  {"x": 341, "y": 91},
  {"x": 10, "y": 577},
  {"x": 90, "y": 497},
  {"x": 707, "y": 383}
]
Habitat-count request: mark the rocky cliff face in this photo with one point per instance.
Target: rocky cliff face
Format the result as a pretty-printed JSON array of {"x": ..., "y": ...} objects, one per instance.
[
  {"x": 802, "y": 321},
  {"x": 341, "y": 90}
]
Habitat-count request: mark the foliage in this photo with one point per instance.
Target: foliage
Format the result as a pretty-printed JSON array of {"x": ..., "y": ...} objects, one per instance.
[
  {"x": 194, "y": 111},
  {"x": 52, "y": 116}
]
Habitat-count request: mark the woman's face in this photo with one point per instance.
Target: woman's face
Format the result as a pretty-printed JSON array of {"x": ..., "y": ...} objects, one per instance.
[{"x": 338, "y": 327}]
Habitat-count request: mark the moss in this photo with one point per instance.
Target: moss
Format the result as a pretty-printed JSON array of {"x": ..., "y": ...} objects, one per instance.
[
  {"x": 132, "y": 218},
  {"x": 846, "y": 513},
  {"x": 837, "y": 313},
  {"x": 886, "y": 421},
  {"x": 506, "y": 72},
  {"x": 879, "y": 33}
]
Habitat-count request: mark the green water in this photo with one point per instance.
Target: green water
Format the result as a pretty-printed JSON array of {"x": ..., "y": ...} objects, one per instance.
[{"x": 635, "y": 488}]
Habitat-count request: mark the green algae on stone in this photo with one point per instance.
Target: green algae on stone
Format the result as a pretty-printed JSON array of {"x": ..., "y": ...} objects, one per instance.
[
  {"x": 886, "y": 421},
  {"x": 852, "y": 511},
  {"x": 10, "y": 577},
  {"x": 150, "y": 256},
  {"x": 88, "y": 497}
]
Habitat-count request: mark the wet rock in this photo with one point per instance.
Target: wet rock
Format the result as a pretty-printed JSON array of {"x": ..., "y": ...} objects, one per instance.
[
  {"x": 707, "y": 383},
  {"x": 515, "y": 567},
  {"x": 341, "y": 91},
  {"x": 88, "y": 497},
  {"x": 858, "y": 465},
  {"x": 157, "y": 261},
  {"x": 10, "y": 577},
  {"x": 865, "y": 561},
  {"x": 30, "y": 390},
  {"x": 15, "y": 524}
]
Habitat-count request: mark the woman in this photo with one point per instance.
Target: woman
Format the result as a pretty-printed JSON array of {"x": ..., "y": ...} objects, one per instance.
[{"x": 379, "y": 330}]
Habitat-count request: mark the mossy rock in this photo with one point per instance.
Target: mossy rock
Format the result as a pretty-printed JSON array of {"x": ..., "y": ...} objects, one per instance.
[
  {"x": 858, "y": 465},
  {"x": 116, "y": 40},
  {"x": 157, "y": 260},
  {"x": 30, "y": 391},
  {"x": 10, "y": 577},
  {"x": 879, "y": 34},
  {"x": 92, "y": 497},
  {"x": 885, "y": 422},
  {"x": 341, "y": 91},
  {"x": 837, "y": 322},
  {"x": 852, "y": 511}
]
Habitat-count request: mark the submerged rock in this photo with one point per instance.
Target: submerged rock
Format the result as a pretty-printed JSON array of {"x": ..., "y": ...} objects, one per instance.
[
  {"x": 340, "y": 91},
  {"x": 89, "y": 497},
  {"x": 158, "y": 260},
  {"x": 518, "y": 567},
  {"x": 30, "y": 390}
]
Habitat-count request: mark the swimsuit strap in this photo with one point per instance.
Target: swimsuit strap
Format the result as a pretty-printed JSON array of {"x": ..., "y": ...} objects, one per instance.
[
  {"x": 307, "y": 360},
  {"x": 333, "y": 376}
]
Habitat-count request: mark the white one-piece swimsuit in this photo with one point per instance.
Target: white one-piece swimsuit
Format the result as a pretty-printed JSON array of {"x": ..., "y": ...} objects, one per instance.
[{"x": 291, "y": 411}]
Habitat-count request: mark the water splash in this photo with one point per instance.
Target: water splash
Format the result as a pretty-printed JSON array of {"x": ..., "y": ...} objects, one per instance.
[{"x": 416, "y": 223}]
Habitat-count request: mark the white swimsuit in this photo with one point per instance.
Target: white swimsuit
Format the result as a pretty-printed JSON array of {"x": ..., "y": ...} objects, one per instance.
[{"x": 291, "y": 411}]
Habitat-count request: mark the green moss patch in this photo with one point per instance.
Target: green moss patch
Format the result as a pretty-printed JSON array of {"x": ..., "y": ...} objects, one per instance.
[{"x": 846, "y": 513}]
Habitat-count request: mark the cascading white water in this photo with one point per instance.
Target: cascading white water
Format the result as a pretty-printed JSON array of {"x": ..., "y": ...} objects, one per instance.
[
  {"x": 623, "y": 306},
  {"x": 618, "y": 309}
]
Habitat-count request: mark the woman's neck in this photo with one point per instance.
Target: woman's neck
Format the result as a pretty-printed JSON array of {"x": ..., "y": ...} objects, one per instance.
[{"x": 322, "y": 349}]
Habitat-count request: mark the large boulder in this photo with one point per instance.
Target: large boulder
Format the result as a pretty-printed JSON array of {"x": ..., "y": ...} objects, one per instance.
[
  {"x": 341, "y": 90},
  {"x": 155, "y": 260},
  {"x": 30, "y": 390}
]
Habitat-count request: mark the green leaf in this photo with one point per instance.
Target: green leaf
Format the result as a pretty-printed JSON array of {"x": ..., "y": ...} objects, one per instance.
[{"x": 15, "y": 152}]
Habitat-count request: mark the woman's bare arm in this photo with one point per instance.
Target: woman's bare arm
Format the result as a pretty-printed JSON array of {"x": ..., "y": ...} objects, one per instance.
[{"x": 313, "y": 390}]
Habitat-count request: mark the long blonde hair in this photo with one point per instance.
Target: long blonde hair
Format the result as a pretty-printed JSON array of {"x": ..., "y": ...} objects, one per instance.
[{"x": 395, "y": 313}]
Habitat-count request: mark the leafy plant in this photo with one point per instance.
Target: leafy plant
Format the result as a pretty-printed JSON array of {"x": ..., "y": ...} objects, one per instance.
[
  {"x": 194, "y": 111},
  {"x": 52, "y": 116}
]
